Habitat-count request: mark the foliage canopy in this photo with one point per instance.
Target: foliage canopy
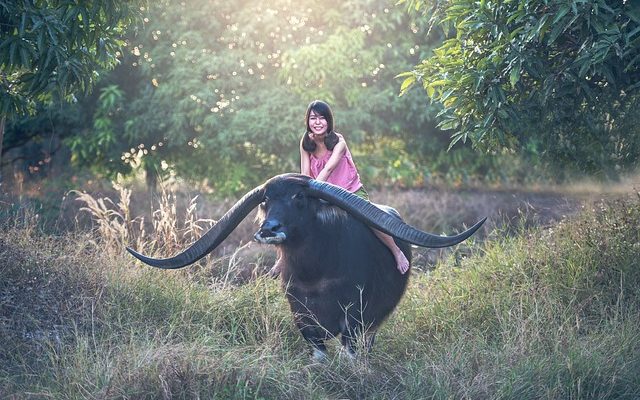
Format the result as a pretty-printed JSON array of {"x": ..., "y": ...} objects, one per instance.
[
  {"x": 558, "y": 78},
  {"x": 54, "y": 48}
]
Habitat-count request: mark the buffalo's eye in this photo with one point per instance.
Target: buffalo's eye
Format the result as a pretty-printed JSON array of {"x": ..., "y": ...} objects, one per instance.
[
  {"x": 264, "y": 202},
  {"x": 298, "y": 198}
]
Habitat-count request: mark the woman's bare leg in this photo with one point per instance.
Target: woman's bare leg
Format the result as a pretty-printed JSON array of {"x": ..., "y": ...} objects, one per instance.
[
  {"x": 401, "y": 260},
  {"x": 274, "y": 272}
]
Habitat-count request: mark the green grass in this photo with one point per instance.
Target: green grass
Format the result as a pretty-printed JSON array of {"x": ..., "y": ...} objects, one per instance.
[{"x": 545, "y": 314}]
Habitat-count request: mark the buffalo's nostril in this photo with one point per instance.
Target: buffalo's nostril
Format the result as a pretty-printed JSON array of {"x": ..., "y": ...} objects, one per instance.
[
  {"x": 276, "y": 228},
  {"x": 265, "y": 233},
  {"x": 270, "y": 227}
]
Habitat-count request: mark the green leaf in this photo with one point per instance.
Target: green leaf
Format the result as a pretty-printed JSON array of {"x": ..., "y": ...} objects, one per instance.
[
  {"x": 25, "y": 58},
  {"x": 584, "y": 68},
  {"x": 631, "y": 64},
  {"x": 430, "y": 90},
  {"x": 407, "y": 83},
  {"x": 456, "y": 138},
  {"x": 23, "y": 21},
  {"x": 13, "y": 49},
  {"x": 47, "y": 59},
  {"x": 514, "y": 77},
  {"x": 631, "y": 34},
  {"x": 451, "y": 123},
  {"x": 560, "y": 14},
  {"x": 555, "y": 33},
  {"x": 405, "y": 74}
]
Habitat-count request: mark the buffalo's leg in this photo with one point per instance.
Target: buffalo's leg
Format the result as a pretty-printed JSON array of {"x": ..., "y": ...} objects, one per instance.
[
  {"x": 316, "y": 337},
  {"x": 319, "y": 350},
  {"x": 351, "y": 336},
  {"x": 349, "y": 342},
  {"x": 351, "y": 333}
]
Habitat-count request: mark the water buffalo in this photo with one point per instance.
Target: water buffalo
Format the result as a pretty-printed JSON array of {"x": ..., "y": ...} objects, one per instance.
[{"x": 339, "y": 278}]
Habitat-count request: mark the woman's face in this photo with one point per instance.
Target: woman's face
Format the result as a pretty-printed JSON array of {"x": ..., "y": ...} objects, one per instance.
[{"x": 317, "y": 124}]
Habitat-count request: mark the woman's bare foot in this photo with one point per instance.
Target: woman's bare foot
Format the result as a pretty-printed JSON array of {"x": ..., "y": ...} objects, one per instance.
[{"x": 401, "y": 262}]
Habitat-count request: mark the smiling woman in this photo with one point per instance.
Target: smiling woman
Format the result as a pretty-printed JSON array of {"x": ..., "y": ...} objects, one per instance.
[{"x": 324, "y": 154}]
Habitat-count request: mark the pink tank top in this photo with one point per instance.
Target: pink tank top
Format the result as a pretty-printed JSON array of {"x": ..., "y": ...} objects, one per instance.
[{"x": 344, "y": 175}]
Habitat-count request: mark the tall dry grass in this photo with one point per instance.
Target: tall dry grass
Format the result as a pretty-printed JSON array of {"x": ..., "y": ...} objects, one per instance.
[
  {"x": 116, "y": 228},
  {"x": 540, "y": 313},
  {"x": 170, "y": 227}
]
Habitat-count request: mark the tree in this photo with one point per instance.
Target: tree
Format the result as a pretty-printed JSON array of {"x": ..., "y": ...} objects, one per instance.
[
  {"x": 51, "y": 49},
  {"x": 216, "y": 90},
  {"x": 556, "y": 78}
]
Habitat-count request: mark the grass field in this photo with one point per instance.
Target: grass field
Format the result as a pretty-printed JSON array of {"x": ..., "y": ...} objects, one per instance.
[{"x": 531, "y": 312}]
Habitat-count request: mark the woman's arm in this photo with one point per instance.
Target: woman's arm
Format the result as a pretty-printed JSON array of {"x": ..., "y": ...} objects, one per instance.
[
  {"x": 305, "y": 162},
  {"x": 338, "y": 151}
]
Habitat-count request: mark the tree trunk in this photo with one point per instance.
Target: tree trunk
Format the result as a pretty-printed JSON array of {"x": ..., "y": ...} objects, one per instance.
[
  {"x": 151, "y": 176},
  {"x": 3, "y": 118}
]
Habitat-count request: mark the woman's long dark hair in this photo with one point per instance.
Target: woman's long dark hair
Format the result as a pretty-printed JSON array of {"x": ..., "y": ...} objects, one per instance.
[{"x": 331, "y": 139}]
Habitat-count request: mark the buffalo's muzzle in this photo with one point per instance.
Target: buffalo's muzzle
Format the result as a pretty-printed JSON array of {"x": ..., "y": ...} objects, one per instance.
[{"x": 270, "y": 233}]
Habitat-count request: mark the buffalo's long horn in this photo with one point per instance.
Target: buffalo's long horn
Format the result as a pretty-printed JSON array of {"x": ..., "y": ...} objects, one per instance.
[
  {"x": 214, "y": 236},
  {"x": 379, "y": 219}
]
